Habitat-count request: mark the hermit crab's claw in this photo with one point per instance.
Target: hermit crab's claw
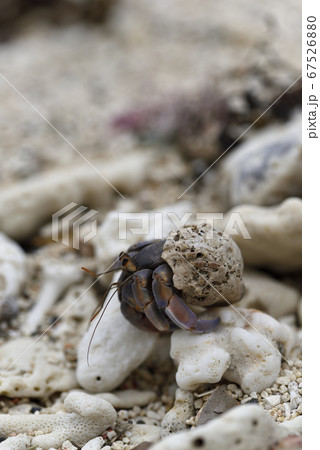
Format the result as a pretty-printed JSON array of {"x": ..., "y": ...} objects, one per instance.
[
  {"x": 145, "y": 300},
  {"x": 174, "y": 307}
]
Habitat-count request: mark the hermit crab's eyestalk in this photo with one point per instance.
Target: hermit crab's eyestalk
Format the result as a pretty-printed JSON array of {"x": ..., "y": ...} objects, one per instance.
[{"x": 127, "y": 262}]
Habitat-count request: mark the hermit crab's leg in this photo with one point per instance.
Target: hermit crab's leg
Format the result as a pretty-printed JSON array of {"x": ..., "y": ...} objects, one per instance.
[
  {"x": 127, "y": 297},
  {"x": 142, "y": 292},
  {"x": 136, "y": 318},
  {"x": 174, "y": 307}
]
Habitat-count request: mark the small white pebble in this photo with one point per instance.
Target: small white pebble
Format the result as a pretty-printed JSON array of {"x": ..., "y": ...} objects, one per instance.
[
  {"x": 272, "y": 400},
  {"x": 282, "y": 389},
  {"x": 94, "y": 444},
  {"x": 273, "y": 413},
  {"x": 198, "y": 403},
  {"x": 283, "y": 380},
  {"x": 68, "y": 446},
  {"x": 153, "y": 415},
  {"x": 299, "y": 409},
  {"x": 118, "y": 445},
  {"x": 137, "y": 410},
  {"x": 285, "y": 397},
  {"x": 238, "y": 393},
  {"x": 123, "y": 414},
  {"x": 156, "y": 405},
  {"x": 232, "y": 387},
  {"x": 287, "y": 411},
  {"x": 295, "y": 398},
  {"x": 245, "y": 400},
  {"x": 264, "y": 394},
  {"x": 290, "y": 374},
  {"x": 111, "y": 435},
  {"x": 295, "y": 402},
  {"x": 293, "y": 386},
  {"x": 191, "y": 421}
]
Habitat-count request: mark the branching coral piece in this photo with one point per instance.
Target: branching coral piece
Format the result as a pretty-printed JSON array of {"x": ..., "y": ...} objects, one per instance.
[{"x": 87, "y": 418}]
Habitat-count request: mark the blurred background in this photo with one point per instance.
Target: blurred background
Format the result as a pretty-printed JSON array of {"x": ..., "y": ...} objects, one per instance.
[{"x": 182, "y": 79}]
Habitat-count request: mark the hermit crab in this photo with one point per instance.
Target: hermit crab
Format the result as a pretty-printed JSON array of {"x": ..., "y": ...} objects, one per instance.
[
  {"x": 155, "y": 299},
  {"x": 147, "y": 295}
]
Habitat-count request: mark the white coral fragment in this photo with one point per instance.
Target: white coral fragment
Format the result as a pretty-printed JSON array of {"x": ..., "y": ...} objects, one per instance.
[
  {"x": 117, "y": 349},
  {"x": 94, "y": 444},
  {"x": 268, "y": 294},
  {"x": 19, "y": 442},
  {"x": 275, "y": 234},
  {"x": 88, "y": 417},
  {"x": 175, "y": 419},
  {"x": 128, "y": 398},
  {"x": 56, "y": 277},
  {"x": 28, "y": 204},
  {"x": 12, "y": 268},
  {"x": 241, "y": 427},
  {"x": 245, "y": 348},
  {"x": 32, "y": 368}
]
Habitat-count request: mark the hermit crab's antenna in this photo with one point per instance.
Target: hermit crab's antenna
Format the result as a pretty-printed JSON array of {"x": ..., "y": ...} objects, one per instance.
[
  {"x": 99, "y": 274},
  {"x": 99, "y": 320},
  {"x": 112, "y": 286}
]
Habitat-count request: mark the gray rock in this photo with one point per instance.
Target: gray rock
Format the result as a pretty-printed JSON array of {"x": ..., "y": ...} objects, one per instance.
[
  {"x": 218, "y": 402},
  {"x": 266, "y": 168}
]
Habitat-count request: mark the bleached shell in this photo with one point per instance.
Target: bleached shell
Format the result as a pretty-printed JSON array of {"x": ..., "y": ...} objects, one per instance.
[
  {"x": 244, "y": 348},
  {"x": 204, "y": 285}
]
